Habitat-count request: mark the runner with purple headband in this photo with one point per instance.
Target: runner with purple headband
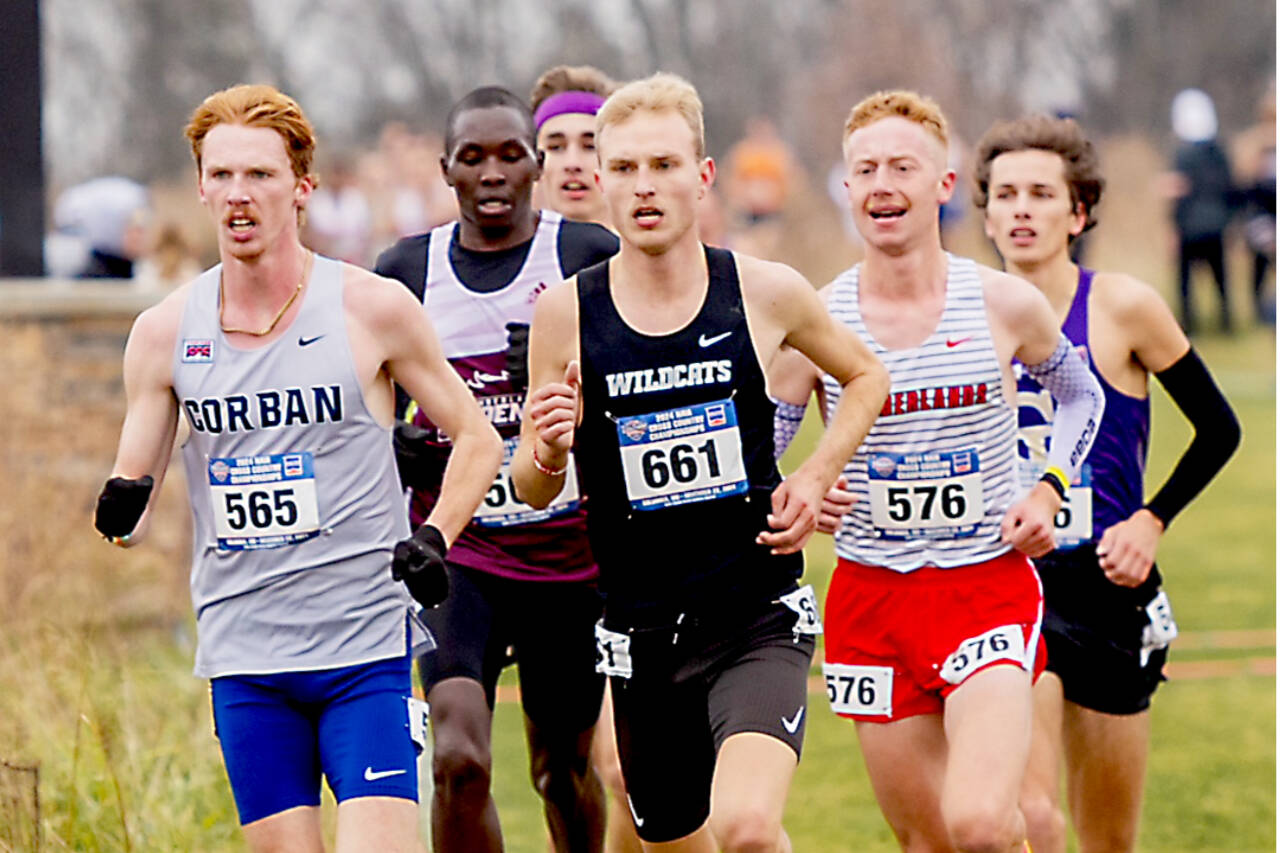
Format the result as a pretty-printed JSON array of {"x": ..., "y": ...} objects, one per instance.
[
  {"x": 564, "y": 103},
  {"x": 567, "y": 102}
]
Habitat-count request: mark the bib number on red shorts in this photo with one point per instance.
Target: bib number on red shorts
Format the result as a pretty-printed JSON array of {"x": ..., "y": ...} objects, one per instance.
[
  {"x": 934, "y": 495},
  {"x": 1003, "y": 643},
  {"x": 866, "y": 690},
  {"x": 263, "y": 501},
  {"x": 681, "y": 456},
  {"x": 501, "y": 507},
  {"x": 613, "y": 652}
]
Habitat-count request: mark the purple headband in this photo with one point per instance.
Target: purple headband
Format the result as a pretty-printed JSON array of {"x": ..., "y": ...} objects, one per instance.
[{"x": 573, "y": 101}]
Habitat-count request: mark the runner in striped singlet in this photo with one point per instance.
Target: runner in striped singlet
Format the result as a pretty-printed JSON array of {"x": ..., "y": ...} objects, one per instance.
[
  {"x": 1107, "y": 622},
  {"x": 933, "y": 612}
]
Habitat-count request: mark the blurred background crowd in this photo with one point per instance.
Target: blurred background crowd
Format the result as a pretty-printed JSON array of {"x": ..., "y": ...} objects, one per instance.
[
  {"x": 1192, "y": 82},
  {"x": 1220, "y": 195}
]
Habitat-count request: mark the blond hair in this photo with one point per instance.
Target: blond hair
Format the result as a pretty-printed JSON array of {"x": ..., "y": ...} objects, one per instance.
[
  {"x": 256, "y": 106},
  {"x": 659, "y": 93},
  {"x": 898, "y": 103}
]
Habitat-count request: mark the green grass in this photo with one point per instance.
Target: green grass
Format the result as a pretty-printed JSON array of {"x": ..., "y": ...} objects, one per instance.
[
  {"x": 1219, "y": 556},
  {"x": 1211, "y": 777},
  {"x": 1210, "y": 780}
]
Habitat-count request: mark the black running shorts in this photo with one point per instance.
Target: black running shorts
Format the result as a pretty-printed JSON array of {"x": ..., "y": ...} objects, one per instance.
[
  {"x": 546, "y": 627},
  {"x": 1094, "y": 632}
]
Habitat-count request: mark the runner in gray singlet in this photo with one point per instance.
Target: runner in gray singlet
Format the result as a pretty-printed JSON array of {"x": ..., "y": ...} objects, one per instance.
[{"x": 280, "y": 363}]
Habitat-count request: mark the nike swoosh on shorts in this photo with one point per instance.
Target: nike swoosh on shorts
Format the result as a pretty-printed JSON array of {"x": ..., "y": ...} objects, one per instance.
[
  {"x": 371, "y": 775},
  {"x": 793, "y": 725}
]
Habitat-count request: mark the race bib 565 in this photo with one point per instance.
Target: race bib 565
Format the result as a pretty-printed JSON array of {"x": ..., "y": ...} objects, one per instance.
[{"x": 263, "y": 501}]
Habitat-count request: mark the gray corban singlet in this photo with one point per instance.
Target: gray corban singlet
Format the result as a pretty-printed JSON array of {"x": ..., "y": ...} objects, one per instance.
[{"x": 294, "y": 494}]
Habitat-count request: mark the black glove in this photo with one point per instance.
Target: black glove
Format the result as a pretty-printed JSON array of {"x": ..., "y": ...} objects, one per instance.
[
  {"x": 121, "y": 504},
  {"x": 419, "y": 462},
  {"x": 518, "y": 355},
  {"x": 419, "y": 562}
]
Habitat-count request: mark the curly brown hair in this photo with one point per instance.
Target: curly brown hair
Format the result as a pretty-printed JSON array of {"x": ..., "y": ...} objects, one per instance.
[{"x": 1061, "y": 136}]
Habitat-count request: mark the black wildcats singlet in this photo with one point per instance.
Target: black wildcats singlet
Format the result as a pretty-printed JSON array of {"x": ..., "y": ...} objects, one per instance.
[{"x": 676, "y": 455}]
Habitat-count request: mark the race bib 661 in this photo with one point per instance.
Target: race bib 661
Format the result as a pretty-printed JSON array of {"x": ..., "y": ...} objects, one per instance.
[{"x": 680, "y": 456}]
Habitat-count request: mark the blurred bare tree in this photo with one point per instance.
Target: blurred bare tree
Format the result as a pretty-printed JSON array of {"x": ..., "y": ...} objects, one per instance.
[{"x": 122, "y": 75}]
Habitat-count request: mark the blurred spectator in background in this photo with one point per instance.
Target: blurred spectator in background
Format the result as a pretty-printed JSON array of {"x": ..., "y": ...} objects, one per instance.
[
  {"x": 100, "y": 228},
  {"x": 1202, "y": 187},
  {"x": 1254, "y": 157},
  {"x": 170, "y": 261},
  {"x": 839, "y": 195},
  {"x": 713, "y": 229},
  {"x": 339, "y": 222},
  {"x": 758, "y": 174},
  {"x": 953, "y": 210},
  {"x": 402, "y": 180}
]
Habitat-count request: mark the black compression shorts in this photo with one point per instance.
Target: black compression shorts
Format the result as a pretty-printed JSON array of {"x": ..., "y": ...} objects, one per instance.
[
  {"x": 546, "y": 627},
  {"x": 1094, "y": 632}
]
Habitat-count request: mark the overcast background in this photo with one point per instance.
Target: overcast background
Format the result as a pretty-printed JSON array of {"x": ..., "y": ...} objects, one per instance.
[{"x": 121, "y": 76}]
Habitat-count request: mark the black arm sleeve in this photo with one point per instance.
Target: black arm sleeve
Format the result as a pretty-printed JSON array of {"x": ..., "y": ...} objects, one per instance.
[
  {"x": 584, "y": 244},
  {"x": 1216, "y": 434},
  {"x": 406, "y": 262}
]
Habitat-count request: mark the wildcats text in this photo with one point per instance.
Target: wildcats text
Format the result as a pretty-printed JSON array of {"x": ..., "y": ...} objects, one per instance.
[{"x": 652, "y": 379}]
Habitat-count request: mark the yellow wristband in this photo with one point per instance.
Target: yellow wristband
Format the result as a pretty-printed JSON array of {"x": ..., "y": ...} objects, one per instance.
[{"x": 1057, "y": 478}]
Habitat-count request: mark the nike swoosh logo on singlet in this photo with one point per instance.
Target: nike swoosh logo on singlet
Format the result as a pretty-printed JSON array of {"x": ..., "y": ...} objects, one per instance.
[
  {"x": 956, "y": 343},
  {"x": 302, "y": 342},
  {"x": 704, "y": 341}
]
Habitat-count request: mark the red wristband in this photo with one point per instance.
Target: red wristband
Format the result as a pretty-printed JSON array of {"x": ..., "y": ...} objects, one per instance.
[{"x": 550, "y": 472}]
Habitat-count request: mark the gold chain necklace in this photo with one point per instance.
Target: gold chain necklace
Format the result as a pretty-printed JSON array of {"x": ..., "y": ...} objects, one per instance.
[{"x": 222, "y": 302}]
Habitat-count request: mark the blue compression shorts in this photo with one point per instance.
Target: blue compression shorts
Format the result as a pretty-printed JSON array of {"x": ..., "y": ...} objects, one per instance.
[{"x": 279, "y": 732}]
